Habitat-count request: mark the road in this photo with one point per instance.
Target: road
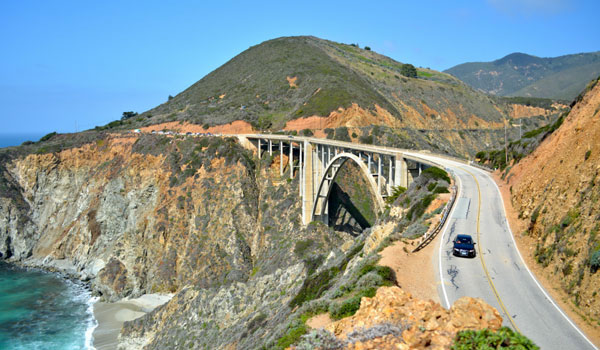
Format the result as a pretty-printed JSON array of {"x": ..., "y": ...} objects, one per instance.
[{"x": 498, "y": 274}]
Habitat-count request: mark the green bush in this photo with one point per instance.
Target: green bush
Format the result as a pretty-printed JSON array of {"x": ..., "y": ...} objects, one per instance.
[
  {"x": 396, "y": 192},
  {"x": 301, "y": 247},
  {"x": 47, "y": 137},
  {"x": 588, "y": 153},
  {"x": 385, "y": 272},
  {"x": 595, "y": 260},
  {"x": 295, "y": 330},
  {"x": 504, "y": 338},
  {"x": 366, "y": 139},
  {"x": 441, "y": 189},
  {"x": 349, "y": 306},
  {"x": 307, "y": 132},
  {"x": 535, "y": 215},
  {"x": 314, "y": 286},
  {"x": 408, "y": 70},
  {"x": 436, "y": 173}
]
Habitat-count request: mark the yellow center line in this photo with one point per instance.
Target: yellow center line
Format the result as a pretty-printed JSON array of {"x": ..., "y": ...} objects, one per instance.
[{"x": 487, "y": 274}]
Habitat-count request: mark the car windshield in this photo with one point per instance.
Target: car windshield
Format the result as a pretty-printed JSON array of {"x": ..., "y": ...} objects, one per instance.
[{"x": 463, "y": 240}]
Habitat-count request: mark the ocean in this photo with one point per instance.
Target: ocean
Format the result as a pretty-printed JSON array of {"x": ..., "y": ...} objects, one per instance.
[
  {"x": 7, "y": 140},
  {"x": 42, "y": 310}
]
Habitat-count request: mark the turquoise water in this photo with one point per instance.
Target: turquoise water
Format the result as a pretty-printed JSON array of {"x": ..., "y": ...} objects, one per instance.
[{"x": 41, "y": 310}]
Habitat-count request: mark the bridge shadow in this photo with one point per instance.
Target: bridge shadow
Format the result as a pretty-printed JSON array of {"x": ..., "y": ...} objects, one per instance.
[{"x": 343, "y": 214}]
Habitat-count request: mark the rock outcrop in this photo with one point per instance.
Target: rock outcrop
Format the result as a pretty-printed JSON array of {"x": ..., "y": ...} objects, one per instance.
[{"x": 423, "y": 324}]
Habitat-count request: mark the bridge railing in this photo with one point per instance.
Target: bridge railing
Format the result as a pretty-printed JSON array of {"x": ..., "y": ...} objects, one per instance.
[{"x": 430, "y": 235}]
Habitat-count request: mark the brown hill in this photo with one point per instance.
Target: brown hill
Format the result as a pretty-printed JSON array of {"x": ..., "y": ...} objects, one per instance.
[{"x": 556, "y": 191}]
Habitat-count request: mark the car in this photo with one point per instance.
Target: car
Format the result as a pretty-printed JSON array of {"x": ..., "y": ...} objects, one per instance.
[{"x": 464, "y": 246}]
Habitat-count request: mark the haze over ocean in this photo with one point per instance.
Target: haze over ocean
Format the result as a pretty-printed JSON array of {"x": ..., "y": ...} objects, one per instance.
[{"x": 8, "y": 140}]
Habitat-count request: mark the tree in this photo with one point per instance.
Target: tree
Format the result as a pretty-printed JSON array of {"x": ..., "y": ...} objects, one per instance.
[
  {"x": 170, "y": 97},
  {"x": 127, "y": 115},
  {"x": 367, "y": 48},
  {"x": 408, "y": 70}
]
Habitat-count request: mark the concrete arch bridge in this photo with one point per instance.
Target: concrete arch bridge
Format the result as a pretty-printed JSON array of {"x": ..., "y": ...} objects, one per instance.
[{"x": 318, "y": 161}]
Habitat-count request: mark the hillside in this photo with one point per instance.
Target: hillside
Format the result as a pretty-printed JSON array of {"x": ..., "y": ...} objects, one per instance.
[
  {"x": 297, "y": 83},
  {"x": 519, "y": 74},
  {"x": 136, "y": 214},
  {"x": 556, "y": 192}
]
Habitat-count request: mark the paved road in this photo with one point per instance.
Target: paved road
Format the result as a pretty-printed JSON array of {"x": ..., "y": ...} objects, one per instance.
[{"x": 498, "y": 274}]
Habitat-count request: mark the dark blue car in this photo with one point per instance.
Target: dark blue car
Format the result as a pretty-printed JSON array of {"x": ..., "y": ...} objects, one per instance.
[{"x": 464, "y": 246}]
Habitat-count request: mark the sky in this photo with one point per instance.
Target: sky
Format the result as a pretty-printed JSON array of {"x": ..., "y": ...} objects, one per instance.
[{"x": 71, "y": 65}]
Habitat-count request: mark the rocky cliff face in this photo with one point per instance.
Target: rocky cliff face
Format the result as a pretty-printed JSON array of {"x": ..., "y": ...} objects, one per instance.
[
  {"x": 199, "y": 217},
  {"x": 556, "y": 190},
  {"x": 147, "y": 215}
]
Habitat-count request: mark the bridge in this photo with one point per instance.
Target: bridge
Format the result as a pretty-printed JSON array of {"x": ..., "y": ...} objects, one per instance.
[
  {"x": 479, "y": 212},
  {"x": 318, "y": 161}
]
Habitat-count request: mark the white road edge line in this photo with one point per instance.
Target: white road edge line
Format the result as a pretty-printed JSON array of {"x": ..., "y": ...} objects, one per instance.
[
  {"x": 528, "y": 270},
  {"x": 458, "y": 190}
]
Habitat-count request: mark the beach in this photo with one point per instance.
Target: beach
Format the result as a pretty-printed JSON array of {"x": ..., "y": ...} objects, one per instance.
[{"x": 111, "y": 316}]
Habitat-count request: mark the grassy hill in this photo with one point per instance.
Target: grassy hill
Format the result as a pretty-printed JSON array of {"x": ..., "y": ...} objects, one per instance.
[
  {"x": 375, "y": 98},
  {"x": 519, "y": 74}
]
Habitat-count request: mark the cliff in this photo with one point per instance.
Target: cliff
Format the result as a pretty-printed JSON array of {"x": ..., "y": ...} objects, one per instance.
[
  {"x": 201, "y": 218},
  {"x": 555, "y": 191}
]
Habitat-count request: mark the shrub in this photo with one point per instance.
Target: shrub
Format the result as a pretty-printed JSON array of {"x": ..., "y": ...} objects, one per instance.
[
  {"x": 301, "y": 246},
  {"x": 595, "y": 260},
  {"x": 320, "y": 339},
  {"x": 396, "y": 192},
  {"x": 408, "y": 70},
  {"x": 436, "y": 173},
  {"x": 441, "y": 189},
  {"x": 588, "y": 154},
  {"x": 371, "y": 279},
  {"x": 313, "y": 287},
  {"x": 127, "y": 115},
  {"x": 344, "y": 309},
  {"x": 47, "y": 137},
  {"x": 366, "y": 139},
  {"x": 296, "y": 329},
  {"x": 349, "y": 306},
  {"x": 535, "y": 215},
  {"x": 385, "y": 272},
  {"x": 307, "y": 132},
  {"x": 341, "y": 133},
  {"x": 367, "y": 48},
  {"x": 486, "y": 339}
]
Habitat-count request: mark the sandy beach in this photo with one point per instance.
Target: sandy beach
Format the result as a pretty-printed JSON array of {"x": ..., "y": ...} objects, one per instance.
[{"x": 111, "y": 316}]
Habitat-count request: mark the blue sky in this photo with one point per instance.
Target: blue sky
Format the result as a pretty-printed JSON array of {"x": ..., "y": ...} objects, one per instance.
[{"x": 77, "y": 64}]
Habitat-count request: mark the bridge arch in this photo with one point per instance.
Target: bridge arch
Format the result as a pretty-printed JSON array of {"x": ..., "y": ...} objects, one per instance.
[{"x": 320, "y": 204}]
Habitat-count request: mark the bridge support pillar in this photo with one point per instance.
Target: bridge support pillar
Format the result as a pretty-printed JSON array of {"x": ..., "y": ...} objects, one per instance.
[
  {"x": 258, "y": 148},
  {"x": 401, "y": 173},
  {"x": 300, "y": 170},
  {"x": 379, "y": 174},
  {"x": 308, "y": 183},
  {"x": 390, "y": 180},
  {"x": 291, "y": 160},
  {"x": 280, "y": 158},
  {"x": 270, "y": 148}
]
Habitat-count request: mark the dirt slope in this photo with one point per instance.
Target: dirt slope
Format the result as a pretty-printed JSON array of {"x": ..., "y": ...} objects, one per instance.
[{"x": 555, "y": 191}]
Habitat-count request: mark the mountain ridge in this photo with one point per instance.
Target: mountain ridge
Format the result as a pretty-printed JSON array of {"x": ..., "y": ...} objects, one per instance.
[{"x": 521, "y": 74}]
